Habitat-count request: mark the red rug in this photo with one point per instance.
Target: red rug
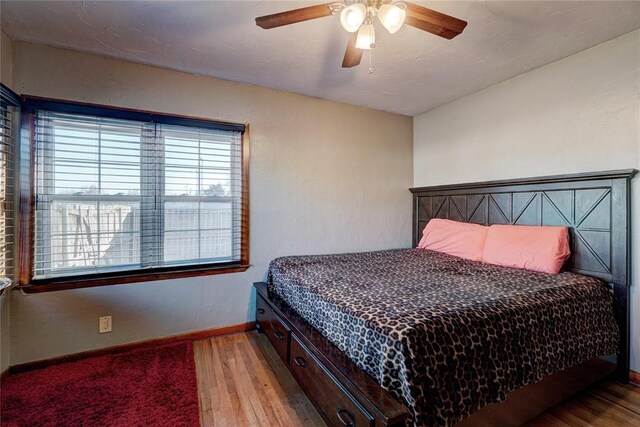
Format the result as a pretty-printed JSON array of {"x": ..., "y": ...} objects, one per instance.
[{"x": 153, "y": 386}]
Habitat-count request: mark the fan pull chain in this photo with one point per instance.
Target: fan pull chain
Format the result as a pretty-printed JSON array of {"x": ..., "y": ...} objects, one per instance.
[{"x": 370, "y": 61}]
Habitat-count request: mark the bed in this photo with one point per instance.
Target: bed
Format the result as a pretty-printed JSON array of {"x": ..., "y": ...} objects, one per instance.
[{"x": 442, "y": 337}]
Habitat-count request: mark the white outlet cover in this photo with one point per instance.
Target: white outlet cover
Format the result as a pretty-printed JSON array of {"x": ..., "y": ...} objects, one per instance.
[{"x": 105, "y": 324}]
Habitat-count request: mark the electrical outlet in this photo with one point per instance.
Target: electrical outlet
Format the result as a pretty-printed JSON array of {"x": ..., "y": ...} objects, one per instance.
[{"x": 105, "y": 324}]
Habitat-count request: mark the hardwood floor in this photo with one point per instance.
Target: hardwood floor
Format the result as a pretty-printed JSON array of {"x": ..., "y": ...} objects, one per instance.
[
  {"x": 238, "y": 386},
  {"x": 607, "y": 405}
]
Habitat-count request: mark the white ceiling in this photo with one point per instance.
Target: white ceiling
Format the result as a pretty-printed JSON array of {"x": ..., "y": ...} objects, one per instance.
[{"x": 414, "y": 71}]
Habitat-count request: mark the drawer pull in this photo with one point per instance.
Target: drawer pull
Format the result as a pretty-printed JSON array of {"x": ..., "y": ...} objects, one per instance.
[
  {"x": 278, "y": 334},
  {"x": 261, "y": 311},
  {"x": 346, "y": 418},
  {"x": 300, "y": 361}
]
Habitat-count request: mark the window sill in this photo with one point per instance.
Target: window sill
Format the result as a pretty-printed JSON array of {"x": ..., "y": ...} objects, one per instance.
[
  {"x": 4, "y": 284},
  {"x": 84, "y": 282}
]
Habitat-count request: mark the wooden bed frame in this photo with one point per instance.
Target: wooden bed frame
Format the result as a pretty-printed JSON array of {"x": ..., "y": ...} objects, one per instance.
[{"x": 595, "y": 207}]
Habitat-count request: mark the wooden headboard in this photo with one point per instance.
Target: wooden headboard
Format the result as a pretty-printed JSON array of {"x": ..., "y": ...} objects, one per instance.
[{"x": 595, "y": 206}]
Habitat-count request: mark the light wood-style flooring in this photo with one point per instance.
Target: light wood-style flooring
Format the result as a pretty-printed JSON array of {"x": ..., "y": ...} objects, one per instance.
[{"x": 242, "y": 382}]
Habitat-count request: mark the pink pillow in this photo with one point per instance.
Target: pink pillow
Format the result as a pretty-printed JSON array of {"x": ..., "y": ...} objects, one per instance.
[
  {"x": 535, "y": 248},
  {"x": 454, "y": 238}
]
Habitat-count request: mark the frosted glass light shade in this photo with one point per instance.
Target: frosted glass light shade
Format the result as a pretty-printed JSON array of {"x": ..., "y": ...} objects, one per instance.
[
  {"x": 366, "y": 37},
  {"x": 352, "y": 17},
  {"x": 391, "y": 17}
]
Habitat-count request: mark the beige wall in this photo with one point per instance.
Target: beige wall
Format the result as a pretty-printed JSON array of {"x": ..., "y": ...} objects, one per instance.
[
  {"x": 5, "y": 78},
  {"x": 5, "y": 59},
  {"x": 325, "y": 177},
  {"x": 4, "y": 330},
  {"x": 579, "y": 114}
]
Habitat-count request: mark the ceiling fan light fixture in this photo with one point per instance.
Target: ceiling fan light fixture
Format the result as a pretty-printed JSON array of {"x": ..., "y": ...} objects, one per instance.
[
  {"x": 392, "y": 16},
  {"x": 366, "y": 37},
  {"x": 353, "y": 16},
  {"x": 357, "y": 16}
]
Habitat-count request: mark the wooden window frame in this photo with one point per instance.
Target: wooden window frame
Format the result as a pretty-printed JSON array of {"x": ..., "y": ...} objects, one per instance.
[
  {"x": 25, "y": 239},
  {"x": 11, "y": 99}
]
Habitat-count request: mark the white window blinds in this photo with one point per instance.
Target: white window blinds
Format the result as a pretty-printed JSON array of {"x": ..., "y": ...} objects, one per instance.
[
  {"x": 8, "y": 126},
  {"x": 116, "y": 195}
]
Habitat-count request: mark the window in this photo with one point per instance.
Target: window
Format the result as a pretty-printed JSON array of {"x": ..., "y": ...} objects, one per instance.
[
  {"x": 8, "y": 112},
  {"x": 119, "y": 194}
]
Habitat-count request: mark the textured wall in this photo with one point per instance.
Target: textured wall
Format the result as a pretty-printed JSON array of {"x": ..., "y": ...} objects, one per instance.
[
  {"x": 5, "y": 78},
  {"x": 5, "y": 59},
  {"x": 325, "y": 177},
  {"x": 579, "y": 114},
  {"x": 4, "y": 330}
]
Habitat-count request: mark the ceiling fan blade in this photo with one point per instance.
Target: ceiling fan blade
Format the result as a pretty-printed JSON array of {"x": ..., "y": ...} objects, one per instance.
[
  {"x": 293, "y": 16},
  {"x": 433, "y": 22},
  {"x": 352, "y": 56}
]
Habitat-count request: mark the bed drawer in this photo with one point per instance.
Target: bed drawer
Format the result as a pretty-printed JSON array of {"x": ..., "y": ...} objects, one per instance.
[
  {"x": 277, "y": 332},
  {"x": 333, "y": 402}
]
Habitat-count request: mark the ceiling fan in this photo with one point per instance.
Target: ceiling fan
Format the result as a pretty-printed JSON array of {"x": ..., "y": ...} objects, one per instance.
[{"x": 357, "y": 17}]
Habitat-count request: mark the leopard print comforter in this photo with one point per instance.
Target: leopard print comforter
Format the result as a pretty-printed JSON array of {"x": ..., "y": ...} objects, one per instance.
[{"x": 443, "y": 334}]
